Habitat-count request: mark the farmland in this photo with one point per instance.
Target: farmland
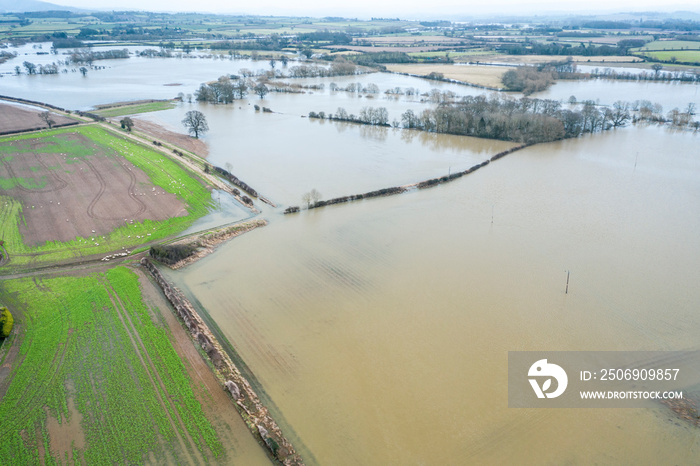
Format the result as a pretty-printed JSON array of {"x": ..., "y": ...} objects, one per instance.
[
  {"x": 673, "y": 51},
  {"x": 14, "y": 119},
  {"x": 670, "y": 45},
  {"x": 114, "y": 111},
  {"x": 682, "y": 56},
  {"x": 83, "y": 191},
  {"x": 488, "y": 76},
  {"x": 96, "y": 378}
]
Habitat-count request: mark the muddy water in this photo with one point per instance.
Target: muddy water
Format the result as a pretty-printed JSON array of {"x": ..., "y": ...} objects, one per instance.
[
  {"x": 380, "y": 329},
  {"x": 606, "y": 92},
  {"x": 283, "y": 155}
]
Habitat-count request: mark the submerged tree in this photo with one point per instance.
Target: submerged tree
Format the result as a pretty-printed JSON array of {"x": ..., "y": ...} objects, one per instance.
[
  {"x": 261, "y": 90},
  {"x": 312, "y": 197},
  {"x": 31, "y": 67},
  {"x": 195, "y": 122}
]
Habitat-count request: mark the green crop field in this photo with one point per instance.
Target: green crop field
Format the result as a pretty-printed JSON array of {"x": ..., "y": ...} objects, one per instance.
[
  {"x": 97, "y": 380},
  {"x": 670, "y": 45},
  {"x": 161, "y": 170},
  {"x": 134, "y": 109},
  {"x": 684, "y": 56}
]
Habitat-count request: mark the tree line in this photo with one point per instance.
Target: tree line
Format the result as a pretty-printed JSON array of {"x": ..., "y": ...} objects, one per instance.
[
  {"x": 523, "y": 120},
  {"x": 368, "y": 116},
  {"x": 88, "y": 56}
]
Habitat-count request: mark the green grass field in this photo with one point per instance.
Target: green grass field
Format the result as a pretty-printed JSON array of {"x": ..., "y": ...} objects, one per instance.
[
  {"x": 97, "y": 366},
  {"x": 134, "y": 109},
  {"x": 161, "y": 170}
]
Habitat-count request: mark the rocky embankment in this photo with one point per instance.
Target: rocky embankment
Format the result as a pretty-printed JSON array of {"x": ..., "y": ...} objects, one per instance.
[{"x": 255, "y": 415}]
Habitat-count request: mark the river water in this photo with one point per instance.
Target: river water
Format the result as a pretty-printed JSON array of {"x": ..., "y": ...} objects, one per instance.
[{"x": 379, "y": 330}]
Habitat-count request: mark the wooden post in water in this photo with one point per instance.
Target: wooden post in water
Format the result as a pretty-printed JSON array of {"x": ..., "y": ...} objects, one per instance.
[
  {"x": 568, "y": 272},
  {"x": 635, "y": 160}
]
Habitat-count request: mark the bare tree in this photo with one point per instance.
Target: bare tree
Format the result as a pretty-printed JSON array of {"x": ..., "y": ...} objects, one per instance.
[
  {"x": 620, "y": 114},
  {"x": 315, "y": 196},
  {"x": 127, "y": 123},
  {"x": 83, "y": 71},
  {"x": 310, "y": 198},
  {"x": 195, "y": 122},
  {"x": 306, "y": 198},
  {"x": 31, "y": 67},
  {"x": 46, "y": 118}
]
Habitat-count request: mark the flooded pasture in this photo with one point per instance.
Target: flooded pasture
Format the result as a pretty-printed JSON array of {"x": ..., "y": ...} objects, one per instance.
[{"x": 380, "y": 329}]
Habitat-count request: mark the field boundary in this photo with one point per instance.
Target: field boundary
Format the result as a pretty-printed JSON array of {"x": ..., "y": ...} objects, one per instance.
[
  {"x": 408, "y": 187},
  {"x": 254, "y": 413},
  {"x": 207, "y": 241}
]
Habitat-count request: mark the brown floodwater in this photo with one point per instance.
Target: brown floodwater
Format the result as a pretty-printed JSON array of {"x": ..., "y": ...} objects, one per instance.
[
  {"x": 283, "y": 156},
  {"x": 380, "y": 329}
]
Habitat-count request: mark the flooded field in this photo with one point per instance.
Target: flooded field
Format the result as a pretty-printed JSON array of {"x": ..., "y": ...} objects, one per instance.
[
  {"x": 284, "y": 155},
  {"x": 606, "y": 92},
  {"x": 380, "y": 329}
]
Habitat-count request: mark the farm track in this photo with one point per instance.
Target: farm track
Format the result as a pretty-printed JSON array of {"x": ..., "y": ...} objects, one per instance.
[
  {"x": 132, "y": 186},
  {"x": 187, "y": 445},
  {"x": 103, "y": 188},
  {"x": 59, "y": 181}
]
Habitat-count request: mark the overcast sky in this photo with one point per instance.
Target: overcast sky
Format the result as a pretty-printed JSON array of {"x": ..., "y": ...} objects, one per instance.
[{"x": 388, "y": 8}]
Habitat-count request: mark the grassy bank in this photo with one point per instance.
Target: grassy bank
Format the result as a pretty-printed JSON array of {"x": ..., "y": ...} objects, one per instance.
[
  {"x": 96, "y": 379},
  {"x": 134, "y": 109}
]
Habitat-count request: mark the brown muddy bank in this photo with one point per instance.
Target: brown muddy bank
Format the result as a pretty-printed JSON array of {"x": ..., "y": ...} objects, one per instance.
[
  {"x": 254, "y": 413},
  {"x": 186, "y": 251}
]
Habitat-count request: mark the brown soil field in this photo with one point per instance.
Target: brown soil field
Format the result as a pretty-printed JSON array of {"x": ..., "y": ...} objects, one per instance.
[
  {"x": 488, "y": 76},
  {"x": 83, "y": 196},
  {"x": 14, "y": 119},
  {"x": 183, "y": 141}
]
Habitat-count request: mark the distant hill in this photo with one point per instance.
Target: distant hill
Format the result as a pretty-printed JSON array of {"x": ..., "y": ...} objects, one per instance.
[{"x": 19, "y": 6}]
